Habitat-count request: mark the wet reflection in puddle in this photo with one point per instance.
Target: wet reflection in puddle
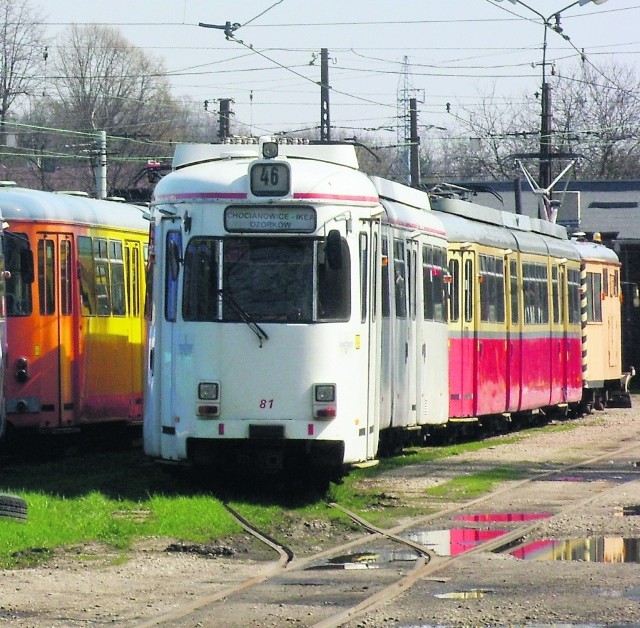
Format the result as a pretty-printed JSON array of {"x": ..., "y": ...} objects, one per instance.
[
  {"x": 504, "y": 516},
  {"x": 473, "y": 594},
  {"x": 453, "y": 541},
  {"x": 366, "y": 560},
  {"x": 595, "y": 549}
]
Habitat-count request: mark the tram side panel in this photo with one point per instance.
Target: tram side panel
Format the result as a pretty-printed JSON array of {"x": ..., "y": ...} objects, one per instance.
[
  {"x": 75, "y": 324},
  {"x": 601, "y": 323}
]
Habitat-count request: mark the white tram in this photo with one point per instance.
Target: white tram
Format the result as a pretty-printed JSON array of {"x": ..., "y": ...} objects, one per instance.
[{"x": 297, "y": 308}]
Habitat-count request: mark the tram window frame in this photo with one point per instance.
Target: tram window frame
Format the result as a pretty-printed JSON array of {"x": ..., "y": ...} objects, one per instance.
[
  {"x": 102, "y": 276},
  {"x": 555, "y": 294},
  {"x": 200, "y": 296},
  {"x": 86, "y": 275},
  {"x": 454, "y": 294},
  {"x": 66, "y": 277},
  {"x": 433, "y": 285},
  {"x": 364, "y": 275},
  {"x": 333, "y": 287},
  {"x": 132, "y": 266},
  {"x": 492, "y": 306},
  {"x": 469, "y": 284},
  {"x": 535, "y": 293},
  {"x": 19, "y": 264},
  {"x": 374, "y": 279},
  {"x": 117, "y": 276},
  {"x": 46, "y": 276},
  {"x": 594, "y": 300},
  {"x": 563, "y": 295},
  {"x": 605, "y": 282},
  {"x": 513, "y": 292},
  {"x": 386, "y": 289},
  {"x": 172, "y": 274},
  {"x": 574, "y": 293},
  {"x": 400, "y": 278}
]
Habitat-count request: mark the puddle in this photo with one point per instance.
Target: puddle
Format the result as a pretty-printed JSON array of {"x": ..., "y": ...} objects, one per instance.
[
  {"x": 504, "y": 516},
  {"x": 453, "y": 541},
  {"x": 366, "y": 560},
  {"x": 473, "y": 594},
  {"x": 595, "y": 549}
]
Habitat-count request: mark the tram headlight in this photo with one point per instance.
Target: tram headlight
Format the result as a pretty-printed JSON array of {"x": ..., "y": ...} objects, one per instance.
[
  {"x": 209, "y": 391},
  {"x": 324, "y": 401},
  {"x": 270, "y": 150},
  {"x": 22, "y": 370},
  {"x": 325, "y": 393}
]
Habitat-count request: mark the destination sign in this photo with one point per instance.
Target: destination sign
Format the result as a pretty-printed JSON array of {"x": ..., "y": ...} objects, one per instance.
[{"x": 269, "y": 219}]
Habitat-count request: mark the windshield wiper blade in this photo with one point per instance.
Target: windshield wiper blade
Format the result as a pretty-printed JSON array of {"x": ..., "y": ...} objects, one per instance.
[{"x": 244, "y": 316}]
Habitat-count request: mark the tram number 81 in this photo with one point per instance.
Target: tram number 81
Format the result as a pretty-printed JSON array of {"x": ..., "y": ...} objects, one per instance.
[{"x": 266, "y": 403}]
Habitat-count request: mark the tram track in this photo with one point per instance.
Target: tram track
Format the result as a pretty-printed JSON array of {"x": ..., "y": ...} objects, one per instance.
[{"x": 423, "y": 567}]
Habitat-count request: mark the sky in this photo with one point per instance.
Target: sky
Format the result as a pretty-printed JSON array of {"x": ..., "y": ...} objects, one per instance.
[{"x": 381, "y": 52}]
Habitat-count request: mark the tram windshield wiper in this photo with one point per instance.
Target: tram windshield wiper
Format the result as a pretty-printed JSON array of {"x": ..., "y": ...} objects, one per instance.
[{"x": 244, "y": 316}]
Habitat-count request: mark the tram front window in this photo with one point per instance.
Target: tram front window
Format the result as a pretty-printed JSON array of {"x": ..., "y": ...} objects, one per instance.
[
  {"x": 19, "y": 263},
  {"x": 263, "y": 280}
]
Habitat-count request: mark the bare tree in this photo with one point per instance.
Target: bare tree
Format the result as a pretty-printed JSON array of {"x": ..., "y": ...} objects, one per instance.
[
  {"x": 103, "y": 83},
  {"x": 597, "y": 116},
  {"x": 22, "y": 54}
]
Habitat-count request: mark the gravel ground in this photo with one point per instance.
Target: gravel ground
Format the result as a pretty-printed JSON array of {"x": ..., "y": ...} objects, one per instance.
[{"x": 88, "y": 585}]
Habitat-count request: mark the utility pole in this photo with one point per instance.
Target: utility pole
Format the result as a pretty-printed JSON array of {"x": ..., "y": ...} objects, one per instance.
[
  {"x": 414, "y": 140},
  {"x": 325, "y": 124},
  {"x": 101, "y": 170},
  {"x": 225, "y": 114}
]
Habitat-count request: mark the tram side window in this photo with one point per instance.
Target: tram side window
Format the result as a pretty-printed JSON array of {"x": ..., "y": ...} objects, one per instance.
[
  {"x": 433, "y": 271},
  {"x": 65, "y": 277},
  {"x": 468, "y": 290},
  {"x": 101, "y": 269},
  {"x": 87, "y": 276},
  {"x": 364, "y": 275},
  {"x": 334, "y": 285},
  {"x": 400, "y": 278},
  {"x": 19, "y": 263},
  {"x": 555, "y": 294},
  {"x": 454, "y": 295},
  {"x": 172, "y": 272},
  {"x": 513, "y": 283},
  {"x": 200, "y": 290},
  {"x": 46, "y": 277},
  {"x": 386, "y": 301},
  {"x": 491, "y": 289},
  {"x": 116, "y": 264},
  {"x": 573, "y": 279},
  {"x": 535, "y": 297},
  {"x": 594, "y": 302}
]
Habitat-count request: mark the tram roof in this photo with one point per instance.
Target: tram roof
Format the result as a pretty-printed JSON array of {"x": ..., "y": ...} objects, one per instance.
[
  {"x": 190, "y": 154},
  {"x": 595, "y": 251},
  {"x": 37, "y": 205}
]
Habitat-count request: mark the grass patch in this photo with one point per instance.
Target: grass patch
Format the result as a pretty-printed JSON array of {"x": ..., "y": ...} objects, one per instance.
[
  {"x": 467, "y": 487},
  {"x": 118, "y": 497}
]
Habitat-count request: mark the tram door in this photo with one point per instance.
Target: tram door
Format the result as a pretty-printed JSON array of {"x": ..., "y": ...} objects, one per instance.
[
  {"x": 371, "y": 314},
  {"x": 514, "y": 336},
  {"x": 463, "y": 365},
  {"x": 55, "y": 344}
]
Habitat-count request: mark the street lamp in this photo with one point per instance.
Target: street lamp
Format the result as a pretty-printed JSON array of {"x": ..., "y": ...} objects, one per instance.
[{"x": 545, "y": 98}]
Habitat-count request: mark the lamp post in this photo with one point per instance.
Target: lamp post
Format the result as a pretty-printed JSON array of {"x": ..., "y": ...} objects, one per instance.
[{"x": 545, "y": 94}]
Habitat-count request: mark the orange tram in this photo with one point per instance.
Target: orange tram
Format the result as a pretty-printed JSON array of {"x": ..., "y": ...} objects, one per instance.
[{"x": 74, "y": 288}]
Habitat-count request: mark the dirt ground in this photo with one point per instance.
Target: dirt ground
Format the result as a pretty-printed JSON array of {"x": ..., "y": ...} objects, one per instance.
[{"x": 89, "y": 585}]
